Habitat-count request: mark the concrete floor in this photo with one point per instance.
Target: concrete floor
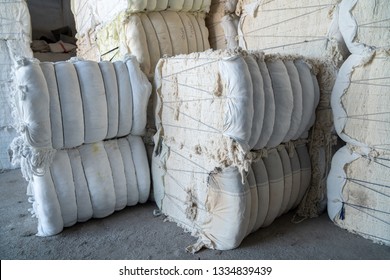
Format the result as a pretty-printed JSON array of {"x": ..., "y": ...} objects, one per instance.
[{"x": 134, "y": 233}]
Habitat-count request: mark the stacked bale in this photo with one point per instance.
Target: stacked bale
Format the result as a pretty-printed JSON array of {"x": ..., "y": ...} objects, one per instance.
[
  {"x": 310, "y": 29},
  {"x": 303, "y": 27},
  {"x": 148, "y": 29},
  {"x": 15, "y": 37},
  {"x": 222, "y": 23},
  {"x": 231, "y": 152},
  {"x": 358, "y": 183},
  {"x": 80, "y": 146}
]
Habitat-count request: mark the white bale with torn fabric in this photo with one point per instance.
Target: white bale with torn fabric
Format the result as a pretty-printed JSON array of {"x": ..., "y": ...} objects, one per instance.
[
  {"x": 360, "y": 100},
  {"x": 364, "y": 24},
  {"x": 204, "y": 126},
  {"x": 205, "y": 116},
  {"x": 150, "y": 36},
  {"x": 9, "y": 51},
  {"x": 213, "y": 204},
  {"x": 358, "y": 193},
  {"x": 305, "y": 27},
  {"x": 222, "y": 24},
  {"x": 15, "y": 21},
  {"x": 212, "y": 115}
]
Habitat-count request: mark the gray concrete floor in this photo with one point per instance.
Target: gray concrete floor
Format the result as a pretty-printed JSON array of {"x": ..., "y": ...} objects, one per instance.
[{"x": 134, "y": 233}]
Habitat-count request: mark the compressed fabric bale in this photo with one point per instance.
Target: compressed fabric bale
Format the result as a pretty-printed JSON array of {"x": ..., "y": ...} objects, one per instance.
[
  {"x": 199, "y": 163},
  {"x": 359, "y": 100},
  {"x": 76, "y": 109},
  {"x": 305, "y": 27},
  {"x": 90, "y": 181},
  {"x": 10, "y": 50},
  {"x": 358, "y": 193},
  {"x": 15, "y": 21},
  {"x": 191, "y": 112},
  {"x": 213, "y": 204},
  {"x": 137, "y": 35},
  {"x": 263, "y": 192},
  {"x": 274, "y": 168},
  {"x": 364, "y": 25},
  {"x": 222, "y": 24}
]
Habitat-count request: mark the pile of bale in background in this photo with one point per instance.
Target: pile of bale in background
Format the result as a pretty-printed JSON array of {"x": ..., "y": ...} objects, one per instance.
[
  {"x": 359, "y": 181},
  {"x": 15, "y": 38},
  {"x": 241, "y": 134}
]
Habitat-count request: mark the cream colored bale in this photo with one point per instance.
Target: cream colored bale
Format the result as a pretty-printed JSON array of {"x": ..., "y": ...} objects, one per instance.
[
  {"x": 358, "y": 193},
  {"x": 205, "y": 102},
  {"x": 15, "y": 21},
  {"x": 304, "y": 27},
  {"x": 365, "y": 24},
  {"x": 360, "y": 101},
  {"x": 222, "y": 24}
]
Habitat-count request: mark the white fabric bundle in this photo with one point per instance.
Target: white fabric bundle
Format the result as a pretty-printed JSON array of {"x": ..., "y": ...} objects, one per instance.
[
  {"x": 222, "y": 24},
  {"x": 90, "y": 14},
  {"x": 66, "y": 110},
  {"x": 14, "y": 21},
  {"x": 360, "y": 100},
  {"x": 15, "y": 36},
  {"x": 201, "y": 144},
  {"x": 210, "y": 111},
  {"x": 364, "y": 24},
  {"x": 213, "y": 204},
  {"x": 305, "y": 27},
  {"x": 206, "y": 115},
  {"x": 358, "y": 193},
  {"x": 88, "y": 101},
  {"x": 91, "y": 181},
  {"x": 150, "y": 36}
]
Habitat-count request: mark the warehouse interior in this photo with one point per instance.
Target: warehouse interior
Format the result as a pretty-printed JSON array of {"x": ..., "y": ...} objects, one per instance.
[{"x": 194, "y": 130}]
